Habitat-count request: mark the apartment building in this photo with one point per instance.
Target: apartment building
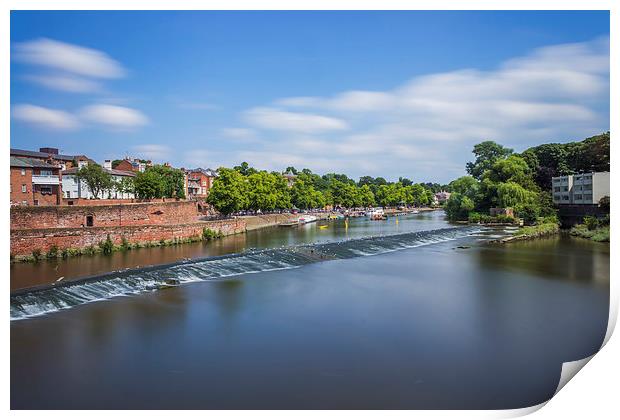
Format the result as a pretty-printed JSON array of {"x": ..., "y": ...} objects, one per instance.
[
  {"x": 585, "y": 188},
  {"x": 199, "y": 182},
  {"x": 34, "y": 182},
  {"x": 72, "y": 188}
]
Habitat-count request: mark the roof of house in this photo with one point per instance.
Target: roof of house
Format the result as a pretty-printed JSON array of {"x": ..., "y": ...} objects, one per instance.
[
  {"x": 116, "y": 172},
  {"x": 42, "y": 155},
  {"x": 22, "y": 162},
  {"x": 207, "y": 172}
]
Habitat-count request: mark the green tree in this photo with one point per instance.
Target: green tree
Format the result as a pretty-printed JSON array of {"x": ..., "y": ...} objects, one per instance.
[
  {"x": 245, "y": 169},
  {"x": 148, "y": 185},
  {"x": 261, "y": 191},
  {"x": 487, "y": 153},
  {"x": 96, "y": 179},
  {"x": 366, "y": 196},
  {"x": 125, "y": 185},
  {"x": 466, "y": 185},
  {"x": 458, "y": 207},
  {"x": 229, "y": 193},
  {"x": 160, "y": 181}
]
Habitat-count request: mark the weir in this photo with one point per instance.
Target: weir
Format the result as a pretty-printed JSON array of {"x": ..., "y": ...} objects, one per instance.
[{"x": 35, "y": 302}]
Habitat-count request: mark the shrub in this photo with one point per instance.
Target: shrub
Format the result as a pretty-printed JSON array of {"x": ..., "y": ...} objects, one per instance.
[
  {"x": 591, "y": 222},
  {"x": 502, "y": 218},
  {"x": 106, "y": 246},
  {"x": 208, "y": 234},
  {"x": 90, "y": 250},
  {"x": 36, "y": 254},
  {"x": 124, "y": 244},
  {"x": 474, "y": 217},
  {"x": 549, "y": 219},
  {"x": 53, "y": 252},
  {"x": 64, "y": 253},
  {"x": 528, "y": 212}
]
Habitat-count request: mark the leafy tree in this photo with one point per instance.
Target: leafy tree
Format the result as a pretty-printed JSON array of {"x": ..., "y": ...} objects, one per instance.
[
  {"x": 466, "y": 185},
  {"x": 148, "y": 185},
  {"x": 366, "y": 196},
  {"x": 291, "y": 170},
  {"x": 261, "y": 191},
  {"x": 510, "y": 194},
  {"x": 487, "y": 153},
  {"x": 96, "y": 178},
  {"x": 125, "y": 185},
  {"x": 229, "y": 193},
  {"x": 304, "y": 196},
  {"x": 245, "y": 169},
  {"x": 458, "y": 207}
]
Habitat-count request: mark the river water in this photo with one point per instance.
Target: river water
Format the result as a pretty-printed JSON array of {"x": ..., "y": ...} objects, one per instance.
[{"x": 407, "y": 313}]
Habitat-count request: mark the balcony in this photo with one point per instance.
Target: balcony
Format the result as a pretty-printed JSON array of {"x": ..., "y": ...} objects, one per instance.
[{"x": 45, "y": 179}]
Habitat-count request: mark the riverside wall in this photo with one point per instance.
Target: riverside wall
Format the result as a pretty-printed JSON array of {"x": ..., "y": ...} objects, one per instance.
[
  {"x": 25, "y": 241},
  {"x": 108, "y": 215}
]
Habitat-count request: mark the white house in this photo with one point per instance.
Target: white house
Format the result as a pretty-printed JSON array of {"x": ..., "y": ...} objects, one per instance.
[{"x": 71, "y": 188}]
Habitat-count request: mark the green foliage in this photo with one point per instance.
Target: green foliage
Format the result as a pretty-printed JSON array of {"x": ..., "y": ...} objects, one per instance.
[
  {"x": 600, "y": 234},
  {"x": 106, "y": 246},
  {"x": 487, "y": 153},
  {"x": 229, "y": 193},
  {"x": 159, "y": 181},
  {"x": 124, "y": 244},
  {"x": 458, "y": 207},
  {"x": 52, "y": 252},
  {"x": 36, "y": 254},
  {"x": 591, "y": 222},
  {"x": 245, "y": 169},
  {"x": 474, "y": 217},
  {"x": 208, "y": 234},
  {"x": 125, "y": 185},
  {"x": 529, "y": 212},
  {"x": 64, "y": 254},
  {"x": 503, "y": 218},
  {"x": 96, "y": 179},
  {"x": 465, "y": 185},
  {"x": 604, "y": 203},
  {"x": 538, "y": 230}
]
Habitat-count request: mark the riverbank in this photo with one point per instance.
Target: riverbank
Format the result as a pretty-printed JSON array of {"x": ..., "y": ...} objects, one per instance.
[
  {"x": 532, "y": 232},
  {"x": 600, "y": 234}
]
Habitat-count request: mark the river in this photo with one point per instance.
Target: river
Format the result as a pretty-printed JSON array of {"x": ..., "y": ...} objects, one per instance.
[{"x": 400, "y": 314}]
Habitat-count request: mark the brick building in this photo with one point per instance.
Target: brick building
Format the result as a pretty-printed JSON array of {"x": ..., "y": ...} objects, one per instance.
[
  {"x": 35, "y": 182},
  {"x": 51, "y": 156},
  {"x": 199, "y": 182},
  {"x": 134, "y": 165}
]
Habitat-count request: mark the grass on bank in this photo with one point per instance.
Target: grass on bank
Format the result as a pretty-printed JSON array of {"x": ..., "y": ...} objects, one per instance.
[
  {"x": 593, "y": 229},
  {"x": 541, "y": 229}
]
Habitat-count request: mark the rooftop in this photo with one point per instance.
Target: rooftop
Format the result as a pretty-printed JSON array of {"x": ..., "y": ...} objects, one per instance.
[
  {"x": 22, "y": 162},
  {"x": 116, "y": 172},
  {"x": 42, "y": 155}
]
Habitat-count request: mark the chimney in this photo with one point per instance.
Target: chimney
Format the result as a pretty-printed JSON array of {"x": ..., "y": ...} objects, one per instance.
[
  {"x": 107, "y": 164},
  {"x": 49, "y": 150}
]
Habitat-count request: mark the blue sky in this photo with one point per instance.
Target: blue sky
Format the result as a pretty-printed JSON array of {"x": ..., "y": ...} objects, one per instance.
[{"x": 365, "y": 93}]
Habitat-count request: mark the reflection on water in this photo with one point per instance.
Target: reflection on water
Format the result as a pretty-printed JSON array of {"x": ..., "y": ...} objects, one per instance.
[
  {"x": 434, "y": 326},
  {"x": 45, "y": 272}
]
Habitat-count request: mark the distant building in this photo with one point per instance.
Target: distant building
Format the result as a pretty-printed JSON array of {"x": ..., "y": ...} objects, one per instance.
[
  {"x": 290, "y": 178},
  {"x": 442, "y": 197},
  {"x": 50, "y": 155},
  {"x": 585, "y": 188},
  {"x": 73, "y": 189},
  {"x": 199, "y": 182},
  {"x": 135, "y": 165},
  {"x": 35, "y": 182}
]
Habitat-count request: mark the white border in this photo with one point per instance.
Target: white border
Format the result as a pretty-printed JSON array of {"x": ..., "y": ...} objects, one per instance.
[{"x": 593, "y": 394}]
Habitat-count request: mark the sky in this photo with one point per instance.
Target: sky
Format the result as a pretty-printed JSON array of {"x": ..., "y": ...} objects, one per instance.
[{"x": 390, "y": 94}]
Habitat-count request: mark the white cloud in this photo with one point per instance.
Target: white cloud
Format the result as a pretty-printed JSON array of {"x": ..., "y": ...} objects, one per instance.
[
  {"x": 114, "y": 116},
  {"x": 45, "y": 117},
  {"x": 275, "y": 119},
  {"x": 155, "y": 152},
  {"x": 239, "y": 134},
  {"x": 68, "y": 57},
  {"x": 427, "y": 126},
  {"x": 66, "y": 83}
]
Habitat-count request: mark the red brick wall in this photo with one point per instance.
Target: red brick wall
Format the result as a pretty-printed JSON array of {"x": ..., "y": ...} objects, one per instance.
[
  {"x": 137, "y": 214},
  {"x": 17, "y": 180},
  {"x": 23, "y": 242}
]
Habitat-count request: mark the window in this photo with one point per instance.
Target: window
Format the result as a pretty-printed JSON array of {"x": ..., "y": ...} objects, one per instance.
[
  {"x": 588, "y": 197},
  {"x": 578, "y": 197},
  {"x": 578, "y": 187},
  {"x": 23, "y": 171},
  {"x": 24, "y": 203},
  {"x": 68, "y": 194},
  {"x": 556, "y": 189},
  {"x": 90, "y": 220},
  {"x": 565, "y": 197},
  {"x": 46, "y": 189},
  {"x": 24, "y": 188},
  {"x": 565, "y": 188},
  {"x": 36, "y": 202},
  {"x": 46, "y": 172},
  {"x": 556, "y": 197}
]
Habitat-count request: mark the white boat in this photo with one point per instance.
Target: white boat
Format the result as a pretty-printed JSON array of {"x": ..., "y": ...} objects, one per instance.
[
  {"x": 376, "y": 214},
  {"x": 307, "y": 219}
]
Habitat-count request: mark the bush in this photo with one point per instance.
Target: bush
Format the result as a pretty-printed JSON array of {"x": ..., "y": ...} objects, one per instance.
[
  {"x": 106, "y": 246},
  {"x": 502, "y": 218},
  {"x": 528, "y": 212},
  {"x": 90, "y": 250},
  {"x": 124, "y": 244},
  {"x": 549, "y": 219},
  {"x": 208, "y": 234},
  {"x": 36, "y": 254},
  {"x": 53, "y": 252},
  {"x": 64, "y": 253},
  {"x": 474, "y": 217},
  {"x": 591, "y": 222}
]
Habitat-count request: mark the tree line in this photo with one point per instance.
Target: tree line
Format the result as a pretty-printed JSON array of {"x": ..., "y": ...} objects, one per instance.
[
  {"x": 246, "y": 188},
  {"x": 157, "y": 181},
  {"x": 498, "y": 177}
]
